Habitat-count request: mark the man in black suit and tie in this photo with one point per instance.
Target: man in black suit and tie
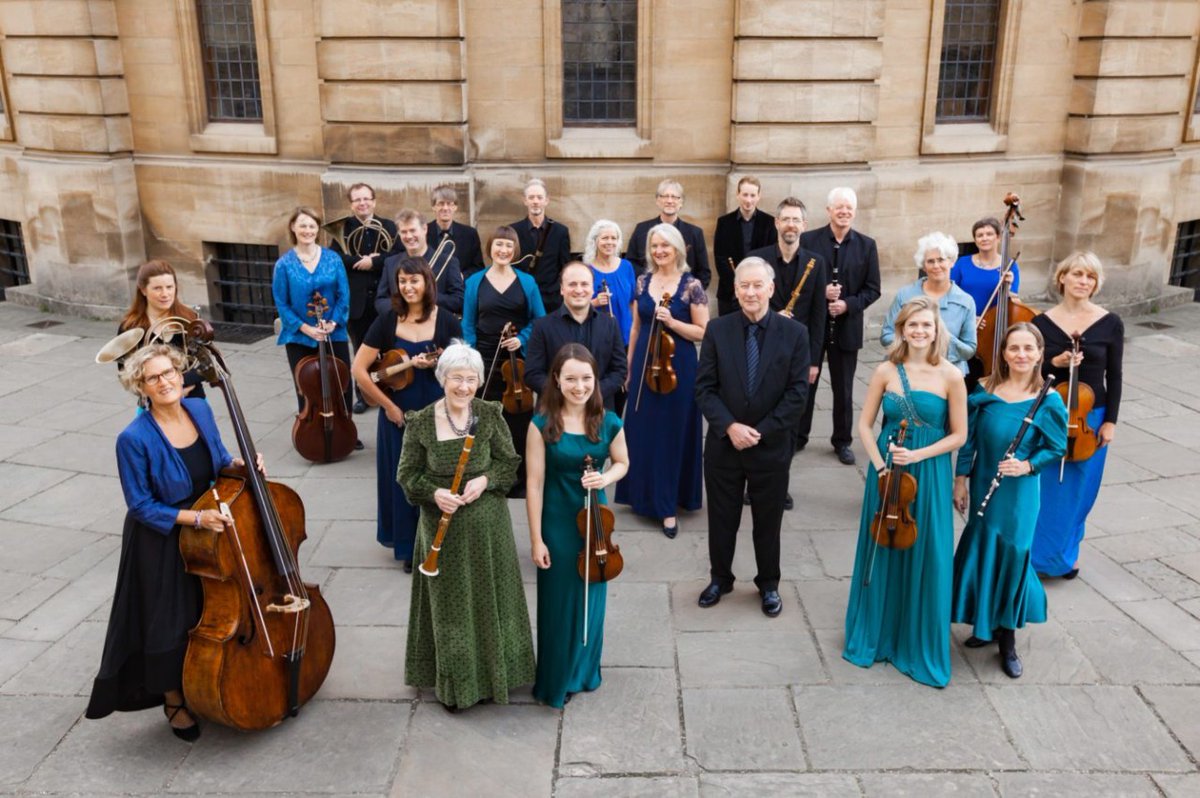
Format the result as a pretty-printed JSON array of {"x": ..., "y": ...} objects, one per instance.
[
  {"x": 669, "y": 199},
  {"x": 547, "y": 242},
  {"x": 853, "y": 285},
  {"x": 466, "y": 238},
  {"x": 751, "y": 385},
  {"x": 410, "y": 227},
  {"x": 364, "y": 261},
  {"x": 740, "y": 232}
]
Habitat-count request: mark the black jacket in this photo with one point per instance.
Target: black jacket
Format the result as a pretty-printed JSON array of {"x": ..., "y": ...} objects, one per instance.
[
  {"x": 774, "y": 409},
  {"x": 600, "y": 333},
  {"x": 546, "y": 267},
  {"x": 727, "y": 245},
  {"x": 810, "y": 308},
  {"x": 854, "y": 264},
  {"x": 363, "y": 282},
  {"x": 467, "y": 248},
  {"x": 693, "y": 239},
  {"x": 449, "y": 283}
]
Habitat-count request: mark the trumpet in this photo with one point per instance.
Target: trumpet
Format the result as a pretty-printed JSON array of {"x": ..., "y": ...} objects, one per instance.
[{"x": 352, "y": 244}]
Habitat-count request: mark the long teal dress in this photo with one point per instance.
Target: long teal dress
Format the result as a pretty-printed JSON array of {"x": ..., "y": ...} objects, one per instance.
[
  {"x": 903, "y": 615},
  {"x": 564, "y": 664},
  {"x": 995, "y": 586}
]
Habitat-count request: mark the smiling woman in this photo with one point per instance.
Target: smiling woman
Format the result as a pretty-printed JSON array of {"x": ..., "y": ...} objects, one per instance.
[{"x": 156, "y": 299}]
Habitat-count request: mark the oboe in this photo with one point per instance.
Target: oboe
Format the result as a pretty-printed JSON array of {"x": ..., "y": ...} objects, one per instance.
[{"x": 1016, "y": 441}]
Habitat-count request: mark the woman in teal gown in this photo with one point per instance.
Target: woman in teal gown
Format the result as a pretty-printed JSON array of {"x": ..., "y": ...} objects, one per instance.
[
  {"x": 995, "y": 586},
  {"x": 572, "y": 424},
  {"x": 899, "y": 608}
]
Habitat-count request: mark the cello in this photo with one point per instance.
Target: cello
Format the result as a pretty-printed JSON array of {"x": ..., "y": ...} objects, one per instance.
[
  {"x": 1002, "y": 309},
  {"x": 894, "y": 526},
  {"x": 323, "y": 432},
  {"x": 658, "y": 371},
  {"x": 265, "y": 640},
  {"x": 1080, "y": 399},
  {"x": 600, "y": 560}
]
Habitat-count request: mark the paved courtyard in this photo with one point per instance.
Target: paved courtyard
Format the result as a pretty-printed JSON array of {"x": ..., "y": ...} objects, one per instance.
[{"x": 720, "y": 702}]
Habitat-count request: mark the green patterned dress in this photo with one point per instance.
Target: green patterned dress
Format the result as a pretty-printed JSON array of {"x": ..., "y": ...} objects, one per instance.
[{"x": 468, "y": 627}]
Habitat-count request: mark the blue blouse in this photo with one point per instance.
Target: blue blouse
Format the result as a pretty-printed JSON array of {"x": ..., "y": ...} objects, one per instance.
[
  {"x": 958, "y": 314},
  {"x": 621, "y": 283},
  {"x": 293, "y": 287},
  {"x": 154, "y": 478},
  {"x": 533, "y": 299},
  {"x": 980, "y": 283}
]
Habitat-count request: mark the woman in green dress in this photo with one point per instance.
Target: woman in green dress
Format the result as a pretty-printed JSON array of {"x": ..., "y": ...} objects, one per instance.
[
  {"x": 572, "y": 424},
  {"x": 468, "y": 627},
  {"x": 899, "y": 609},
  {"x": 995, "y": 586}
]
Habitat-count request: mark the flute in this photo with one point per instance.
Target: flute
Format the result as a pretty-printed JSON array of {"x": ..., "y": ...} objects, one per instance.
[{"x": 1016, "y": 441}]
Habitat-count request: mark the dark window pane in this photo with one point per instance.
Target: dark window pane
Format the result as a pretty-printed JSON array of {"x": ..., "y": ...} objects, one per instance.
[
  {"x": 599, "y": 62},
  {"x": 244, "y": 274},
  {"x": 968, "y": 62},
  {"x": 230, "y": 59},
  {"x": 14, "y": 268},
  {"x": 1185, "y": 264}
]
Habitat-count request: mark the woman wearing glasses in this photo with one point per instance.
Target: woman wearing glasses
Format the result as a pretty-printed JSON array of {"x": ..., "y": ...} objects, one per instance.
[{"x": 935, "y": 254}]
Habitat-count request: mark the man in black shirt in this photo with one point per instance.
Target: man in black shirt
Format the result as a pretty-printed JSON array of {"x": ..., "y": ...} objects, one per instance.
[
  {"x": 466, "y": 238},
  {"x": 742, "y": 230},
  {"x": 669, "y": 199},
  {"x": 576, "y": 321},
  {"x": 546, "y": 242},
  {"x": 411, "y": 229},
  {"x": 853, "y": 285}
]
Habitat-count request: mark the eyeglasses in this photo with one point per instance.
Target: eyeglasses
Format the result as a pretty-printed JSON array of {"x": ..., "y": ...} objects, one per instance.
[
  {"x": 458, "y": 379},
  {"x": 937, "y": 260},
  {"x": 675, "y": 197},
  {"x": 153, "y": 379}
]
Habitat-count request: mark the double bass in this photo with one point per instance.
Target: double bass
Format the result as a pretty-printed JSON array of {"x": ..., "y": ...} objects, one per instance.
[
  {"x": 323, "y": 432},
  {"x": 600, "y": 560},
  {"x": 265, "y": 640},
  {"x": 658, "y": 370},
  {"x": 1080, "y": 399},
  {"x": 1002, "y": 309}
]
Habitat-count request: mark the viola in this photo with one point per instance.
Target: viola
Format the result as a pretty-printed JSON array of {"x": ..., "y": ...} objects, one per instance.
[
  {"x": 265, "y": 640},
  {"x": 394, "y": 368},
  {"x": 1079, "y": 398},
  {"x": 658, "y": 370},
  {"x": 894, "y": 526},
  {"x": 600, "y": 560},
  {"x": 517, "y": 397},
  {"x": 324, "y": 431},
  {"x": 1003, "y": 309}
]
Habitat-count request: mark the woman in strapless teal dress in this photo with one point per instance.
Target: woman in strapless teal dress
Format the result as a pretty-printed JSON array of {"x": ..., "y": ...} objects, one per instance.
[
  {"x": 571, "y": 424},
  {"x": 899, "y": 609},
  {"x": 995, "y": 586}
]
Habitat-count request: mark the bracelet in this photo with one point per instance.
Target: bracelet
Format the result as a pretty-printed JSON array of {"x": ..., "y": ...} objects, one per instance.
[{"x": 196, "y": 522}]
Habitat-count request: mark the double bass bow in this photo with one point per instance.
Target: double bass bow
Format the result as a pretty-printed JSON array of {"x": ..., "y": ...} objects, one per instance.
[
  {"x": 600, "y": 559},
  {"x": 1002, "y": 309},
  {"x": 323, "y": 432},
  {"x": 1080, "y": 399},
  {"x": 430, "y": 566},
  {"x": 265, "y": 640},
  {"x": 658, "y": 370},
  {"x": 1016, "y": 441},
  {"x": 894, "y": 526}
]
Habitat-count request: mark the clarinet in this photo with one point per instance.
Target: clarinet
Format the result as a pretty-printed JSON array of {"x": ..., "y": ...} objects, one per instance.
[{"x": 1016, "y": 441}]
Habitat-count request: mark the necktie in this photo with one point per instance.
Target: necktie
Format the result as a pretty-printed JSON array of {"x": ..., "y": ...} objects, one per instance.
[{"x": 751, "y": 358}]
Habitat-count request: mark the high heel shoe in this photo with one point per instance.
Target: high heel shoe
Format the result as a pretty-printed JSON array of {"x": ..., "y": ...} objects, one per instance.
[{"x": 189, "y": 734}]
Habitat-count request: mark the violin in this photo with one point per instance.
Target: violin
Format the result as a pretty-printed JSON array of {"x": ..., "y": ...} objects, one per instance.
[
  {"x": 517, "y": 397},
  {"x": 265, "y": 640},
  {"x": 1079, "y": 398},
  {"x": 600, "y": 560},
  {"x": 894, "y": 526},
  {"x": 1002, "y": 309},
  {"x": 394, "y": 368},
  {"x": 323, "y": 432},
  {"x": 658, "y": 371}
]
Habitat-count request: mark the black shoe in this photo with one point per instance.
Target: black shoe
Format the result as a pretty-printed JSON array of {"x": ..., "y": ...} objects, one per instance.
[
  {"x": 746, "y": 498},
  {"x": 844, "y": 455},
  {"x": 358, "y": 446},
  {"x": 1071, "y": 574},
  {"x": 1010, "y": 663},
  {"x": 453, "y": 710},
  {"x": 976, "y": 642},
  {"x": 772, "y": 604},
  {"x": 407, "y": 566},
  {"x": 711, "y": 595},
  {"x": 800, "y": 444},
  {"x": 788, "y": 503},
  {"x": 360, "y": 407},
  {"x": 671, "y": 531},
  {"x": 189, "y": 734}
]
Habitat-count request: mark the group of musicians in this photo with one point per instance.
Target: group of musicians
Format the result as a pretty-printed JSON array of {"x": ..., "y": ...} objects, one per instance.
[{"x": 529, "y": 368}]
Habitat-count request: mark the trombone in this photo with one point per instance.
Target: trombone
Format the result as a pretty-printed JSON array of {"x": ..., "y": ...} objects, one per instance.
[
  {"x": 447, "y": 243},
  {"x": 352, "y": 243}
]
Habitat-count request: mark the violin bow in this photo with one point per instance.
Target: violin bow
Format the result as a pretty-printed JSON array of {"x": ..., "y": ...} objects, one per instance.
[
  {"x": 1072, "y": 387},
  {"x": 646, "y": 360},
  {"x": 495, "y": 357},
  {"x": 587, "y": 556},
  {"x": 996, "y": 291},
  {"x": 874, "y": 543}
]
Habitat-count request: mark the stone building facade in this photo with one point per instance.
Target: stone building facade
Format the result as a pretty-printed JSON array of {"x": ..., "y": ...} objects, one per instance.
[{"x": 110, "y": 153}]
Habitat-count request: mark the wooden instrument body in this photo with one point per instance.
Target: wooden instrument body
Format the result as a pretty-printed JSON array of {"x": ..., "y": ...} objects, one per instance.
[
  {"x": 228, "y": 676},
  {"x": 1080, "y": 400},
  {"x": 660, "y": 373},
  {"x": 517, "y": 397},
  {"x": 600, "y": 560},
  {"x": 894, "y": 526},
  {"x": 790, "y": 307},
  {"x": 995, "y": 322},
  {"x": 393, "y": 369},
  {"x": 324, "y": 431}
]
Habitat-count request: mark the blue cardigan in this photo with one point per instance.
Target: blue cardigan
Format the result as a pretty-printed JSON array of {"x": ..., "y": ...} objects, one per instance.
[
  {"x": 153, "y": 475},
  {"x": 533, "y": 298},
  {"x": 958, "y": 315},
  {"x": 293, "y": 286}
]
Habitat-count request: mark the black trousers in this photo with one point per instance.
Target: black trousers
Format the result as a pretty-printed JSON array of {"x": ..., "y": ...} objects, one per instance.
[
  {"x": 726, "y": 483},
  {"x": 357, "y": 328},
  {"x": 841, "y": 378},
  {"x": 297, "y": 352}
]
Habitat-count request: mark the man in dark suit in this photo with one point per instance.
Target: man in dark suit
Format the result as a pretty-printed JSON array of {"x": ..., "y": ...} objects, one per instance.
[
  {"x": 547, "y": 242},
  {"x": 362, "y": 254},
  {"x": 740, "y": 232},
  {"x": 466, "y": 238},
  {"x": 576, "y": 321},
  {"x": 790, "y": 261},
  {"x": 410, "y": 227},
  {"x": 669, "y": 199},
  {"x": 751, "y": 385},
  {"x": 853, "y": 285}
]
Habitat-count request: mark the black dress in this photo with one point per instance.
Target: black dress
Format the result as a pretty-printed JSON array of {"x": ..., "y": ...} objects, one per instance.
[
  {"x": 495, "y": 310},
  {"x": 155, "y": 605}
]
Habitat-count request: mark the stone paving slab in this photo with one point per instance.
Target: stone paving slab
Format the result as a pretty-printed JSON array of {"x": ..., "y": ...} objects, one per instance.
[
  {"x": 742, "y": 729},
  {"x": 1174, "y": 786},
  {"x": 1126, "y": 508},
  {"x": 369, "y": 596},
  {"x": 1167, "y": 622},
  {"x": 1148, "y": 545},
  {"x": 929, "y": 785},
  {"x": 1125, "y": 653},
  {"x": 628, "y": 787},
  {"x": 1161, "y": 577},
  {"x": 760, "y": 658},
  {"x": 18, "y": 483},
  {"x": 1077, "y": 785},
  {"x": 637, "y": 626},
  {"x": 71, "y": 503},
  {"x": 1179, "y": 708},
  {"x": 66, "y": 668},
  {"x": 794, "y": 785},
  {"x": 32, "y": 727},
  {"x": 369, "y": 664},
  {"x": 36, "y": 549},
  {"x": 71, "y": 605},
  {"x": 1048, "y": 652}
]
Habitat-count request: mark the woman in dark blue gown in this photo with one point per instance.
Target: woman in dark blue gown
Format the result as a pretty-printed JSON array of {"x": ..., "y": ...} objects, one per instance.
[
  {"x": 416, "y": 326},
  {"x": 665, "y": 470}
]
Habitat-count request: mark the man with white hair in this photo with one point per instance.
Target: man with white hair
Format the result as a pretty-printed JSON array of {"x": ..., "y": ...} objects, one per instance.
[
  {"x": 853, "y": 285},
  {"x": 547, "y": 242},
  {"x": 669, "y": 199}
]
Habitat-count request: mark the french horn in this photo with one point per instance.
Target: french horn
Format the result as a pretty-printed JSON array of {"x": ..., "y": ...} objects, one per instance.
[{"x": 352, "y": 244}]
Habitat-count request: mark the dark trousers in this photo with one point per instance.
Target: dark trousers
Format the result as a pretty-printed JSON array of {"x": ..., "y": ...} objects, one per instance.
[
  {"x": 841, "y": 379},
  {"x": 726, "y": 483},
  {"x": 357, "y": 328},
  {"x": 297, "y": 352}
]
